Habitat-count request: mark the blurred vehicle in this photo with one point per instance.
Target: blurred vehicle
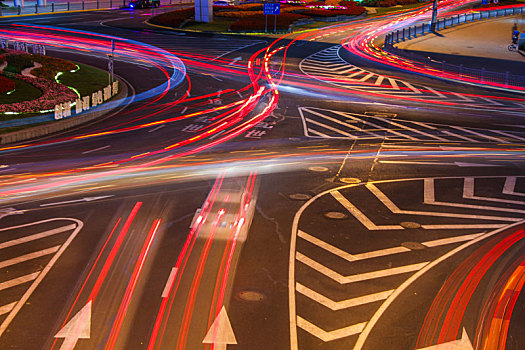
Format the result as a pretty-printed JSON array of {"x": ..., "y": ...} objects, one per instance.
[
  {"x": 139, "y": 4},
  {"x": 222, "y": 3}
]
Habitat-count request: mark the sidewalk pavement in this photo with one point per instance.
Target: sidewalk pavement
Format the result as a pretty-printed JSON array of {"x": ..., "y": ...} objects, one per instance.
[{"x": 475, "y": 45}]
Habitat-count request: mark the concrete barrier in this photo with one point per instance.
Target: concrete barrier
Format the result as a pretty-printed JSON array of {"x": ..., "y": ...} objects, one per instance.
[{"x": 64, "y": 124}]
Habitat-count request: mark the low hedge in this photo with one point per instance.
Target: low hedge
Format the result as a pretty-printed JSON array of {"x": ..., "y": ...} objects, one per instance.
[
  {"x": 17, "y": 63},
  {"x": 389, "y": 3},
  {"x": 246, "y": 14},
  {"x": 173, "y": 18},
  {"x": 258, "y": 22},
  {"x": 6, "y": 85},
  {"x": 50, "y": 66},
  {"x": 245, "y": 7},
  {"x": 354, "y": 11}
]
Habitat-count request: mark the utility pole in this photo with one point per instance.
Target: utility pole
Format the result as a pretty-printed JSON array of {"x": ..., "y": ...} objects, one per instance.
[{"x": 434, "y": 16}]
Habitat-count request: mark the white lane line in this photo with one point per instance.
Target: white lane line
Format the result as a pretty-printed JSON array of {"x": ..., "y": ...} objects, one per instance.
[
  {"x": 38, "y": 277},
  {"x": 379, "y": 80},
  {"x": 343, "y": 304},
  {"x": 336, "y": 276},
  {"x": 366, "y": 77},
  {"x": 478, "y": 134},
  {"x": 312, "y": 131},
  {"x": 411, "y": 87},
  {"x": 459, "y": 136},
  {"x": 157, "y": 128},
  {"x": 363, "y": 219},
  {"x": 510, "y": 185},
  {"x": 429, "y": 198},
  {"x": 394, "y": 209},
  {"x": 96, "y": 149},
  {"x": 7, "y": 308},
  {"x": 332, "y": 335},
  {"x": 341, "y": 132},
  {"x": 468, "y": 193},
  {"x": 508, "y": 135},
  {"x": 239, "y": 94},
  {"x": 184, "y": 109},
  {"x": 462, "y": 97},
  {"x": 27, "y": 257},
  {"x": 462, "y": 227},
  {"x": 418, "y": 131},
  {"x": 451, "y": 240},
  {"x": 234, "y": 61},
  {"x": 169, "y": 282},
  {"x": 354, "y": 74},
  {"x": 343, "y": 123},
  {"x": 18, "y": 281},
  {"x": 492, "y": 102},
  {"x": 393, "y": 83},
  {"x": 37, "y": 236},
  {"x": 435, "y": 92}
]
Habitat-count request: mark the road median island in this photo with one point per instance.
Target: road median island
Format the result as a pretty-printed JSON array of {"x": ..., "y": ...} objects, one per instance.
[
  {"x": 52, "y": 96},
  {"x": 250, "y": 18}
]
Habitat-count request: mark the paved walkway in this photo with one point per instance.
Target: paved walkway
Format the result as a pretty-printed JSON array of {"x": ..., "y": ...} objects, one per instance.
[{"x": 476, "y": 45}]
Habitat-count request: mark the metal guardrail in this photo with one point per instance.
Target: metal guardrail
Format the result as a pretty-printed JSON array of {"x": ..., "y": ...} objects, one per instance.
[
  {"x": 75, "y": 6},
  {"x": 482, "y": 75}
]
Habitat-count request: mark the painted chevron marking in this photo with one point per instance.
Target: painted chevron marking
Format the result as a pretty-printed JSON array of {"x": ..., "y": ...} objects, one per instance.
[
  {"x": 27, "y": 257},
  {"x": 429, "y": 198},
  {"x": 394, "y": 209},
  {"x": 332, "y": 335},
  {"x": 37, "y": 236},
  {"x": 510, "y": 185},
  {"x": 343, "y": 304},
  {"x": 363, "y": 219},
  {"x": 468, "y": 193},
  {"x": 358, "y": 277},
  {"x": 7, "y": 308}
]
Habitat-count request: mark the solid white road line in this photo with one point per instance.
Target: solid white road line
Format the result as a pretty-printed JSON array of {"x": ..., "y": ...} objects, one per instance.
[
  {"x": 394, "y": 209},
  {"x": 7, "y": 308},
  {"x": 478, "y": 134},
  {"x": 459, "y": 136},
  {"x": 96, "y": 149},
  {"x": 408, "y": 85},
  {"x": 157, "y": 128},
  {"x": 434, "y": 91},
  {"x": 451, "y": 240},
  {"x": 169, "y": 282},
  {"x": 324, "y": 126},
  {"x": 468, "y": 193},
  {"x": 363, "y": 219},
  {"x": 343, "y": 304},
  {"x": 27, "y": 257},
  {"x": 18, "y": 281},
  {"x": 429, "y": 198},
  {"x": 37, "y": 236},
  {"x": 332, "y": 335},
  {"x": 358, "y": 277},
  {"x": 393, "y": 83}
]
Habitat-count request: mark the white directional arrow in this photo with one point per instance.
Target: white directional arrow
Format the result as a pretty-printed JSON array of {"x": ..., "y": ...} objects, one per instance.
[
  {"x": 235, "y": 60},
  {"x": 79, "y": 327},
  {"x": 459, "y": 344},
  {"x": 85, "y": 199},
  {"x": 9, "y": 211},
  {"x": 220, "y": 333}
]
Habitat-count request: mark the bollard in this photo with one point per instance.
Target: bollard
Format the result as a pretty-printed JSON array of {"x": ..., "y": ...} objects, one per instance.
[
  {"x": 52, "y": 7},
  {"x": 443, "y": 66},
  {"x": 19, "y": 9},
  {"x": 403, "y": 34},
  {"x": 506, "y": 78},
  {"x": 83, "y": 5},
  {"x": 68, "y": 6},
  {"x": 36, "y": 8},
  {"x": 110, "y": 3},
  {"x": 460, "y": 70},
  {"x": 482, "y": 74},
  {"x": 97, "y": 4}
]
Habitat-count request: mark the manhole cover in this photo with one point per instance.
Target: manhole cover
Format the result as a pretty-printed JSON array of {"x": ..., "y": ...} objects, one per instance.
[
  {"x": 300, "y": 196},
  {"x": 337, "y": 215},
  {"x": 319, "y": 169},
  {"x": 250, "y": 295},
  {"x": 350, "y": 180},
  {"x": 413, "y": 245},
  {"x": 410, "y": 224}
]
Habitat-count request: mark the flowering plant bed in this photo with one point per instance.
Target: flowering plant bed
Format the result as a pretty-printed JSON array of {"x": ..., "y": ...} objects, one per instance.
[
  {"x": 6, "y": 85},
  {"x": 258, "y": 22},
  {"x": 51, "y": 66},
  {"x": 355, "y": 11},
  {"x": 52, "y": 94},
  {"x": 174, "y": 18}
]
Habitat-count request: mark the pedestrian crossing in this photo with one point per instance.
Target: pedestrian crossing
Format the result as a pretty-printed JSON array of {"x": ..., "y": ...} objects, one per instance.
[
  {"x": 328, "y": 66},
  {"x": 346, "y": 272},
  {"x": 326, "y": 123},
  {"x": 28, "y": 252}
]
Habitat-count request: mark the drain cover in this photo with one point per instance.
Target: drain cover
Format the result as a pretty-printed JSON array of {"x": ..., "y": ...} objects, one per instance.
[
  {"x": 250, "y": 295},
  {"x": 318, "y": 169},
  {"x": 300, "y": 196},
  {"x": 350, "y": 180},
  {"x": 410, "y": 224},
  {"x": 336, "y": 215}
]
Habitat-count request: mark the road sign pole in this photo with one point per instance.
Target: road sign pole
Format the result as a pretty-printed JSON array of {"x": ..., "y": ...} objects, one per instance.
[
  {"x": 275, "y": 23},
  {"x": 266, "y": 23}
]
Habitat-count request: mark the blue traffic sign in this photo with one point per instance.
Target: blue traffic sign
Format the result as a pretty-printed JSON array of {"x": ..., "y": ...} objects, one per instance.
[{"x": 272, "y": 8}]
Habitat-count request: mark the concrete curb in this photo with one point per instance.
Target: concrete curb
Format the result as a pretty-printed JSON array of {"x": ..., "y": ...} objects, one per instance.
[{"x": 53, "y": 127}]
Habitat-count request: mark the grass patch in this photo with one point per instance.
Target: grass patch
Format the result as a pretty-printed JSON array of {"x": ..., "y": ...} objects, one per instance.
[
  {"x": 85, "y": 80},
  {"x": 23, "y": 92},
  {"x": 218, "y": 25}
]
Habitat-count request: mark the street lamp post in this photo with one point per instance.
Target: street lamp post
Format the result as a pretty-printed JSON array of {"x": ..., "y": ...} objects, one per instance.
[{"x": 434, "y": 16}]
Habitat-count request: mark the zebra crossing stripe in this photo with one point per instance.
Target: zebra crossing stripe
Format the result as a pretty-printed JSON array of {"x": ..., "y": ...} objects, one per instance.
[
  {"x": 37, "y": 236},
  {"x": 19, "y": 280},
  {"x": 7, "y": 308},
  {"x": 27, "y": 257},
  {"x": 478, "y": 134}
]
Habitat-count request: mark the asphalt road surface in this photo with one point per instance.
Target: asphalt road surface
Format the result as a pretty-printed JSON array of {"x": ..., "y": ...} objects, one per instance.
[{"x": 262, "y": 193}]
